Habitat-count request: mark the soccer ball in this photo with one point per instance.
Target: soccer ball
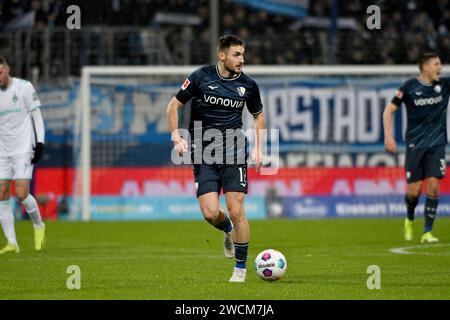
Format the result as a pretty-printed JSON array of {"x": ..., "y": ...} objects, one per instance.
[{"x": 270, "y": 265}]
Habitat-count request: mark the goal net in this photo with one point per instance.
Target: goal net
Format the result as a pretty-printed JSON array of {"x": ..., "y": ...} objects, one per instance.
[{"x": 330, "y": 152}]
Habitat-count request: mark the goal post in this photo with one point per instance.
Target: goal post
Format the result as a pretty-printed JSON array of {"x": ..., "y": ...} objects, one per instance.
[{"x": 130, "y": 74}]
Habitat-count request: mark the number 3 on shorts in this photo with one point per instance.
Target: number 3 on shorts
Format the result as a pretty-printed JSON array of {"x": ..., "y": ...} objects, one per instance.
[{"x": 442, "y": 166}]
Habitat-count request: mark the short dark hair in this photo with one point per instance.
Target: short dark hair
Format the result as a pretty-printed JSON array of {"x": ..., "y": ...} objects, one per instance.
[
  {"x": 425, "y": 57},
  {"x": 227, "y": 41},
  {"x": 3, "y": 61}
]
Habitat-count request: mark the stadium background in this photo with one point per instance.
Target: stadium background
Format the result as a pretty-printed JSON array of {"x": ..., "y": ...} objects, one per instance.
[{"x": 331, "y": 166}]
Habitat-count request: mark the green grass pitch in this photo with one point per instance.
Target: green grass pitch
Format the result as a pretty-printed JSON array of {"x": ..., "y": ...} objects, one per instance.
[{"x": 327, "y": 259}]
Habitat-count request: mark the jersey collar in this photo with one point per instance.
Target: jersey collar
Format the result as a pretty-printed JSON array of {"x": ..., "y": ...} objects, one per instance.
[
  {"x": 423, "y": 83},
  {"x": 226, "y": 79}
]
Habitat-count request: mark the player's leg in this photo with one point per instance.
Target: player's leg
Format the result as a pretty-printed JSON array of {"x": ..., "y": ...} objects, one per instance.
[
  {"x": 415, "y": 174},
  {"x": 6, "y": 213},
  {"x": 234, "y": 178},
  {"x": 434, "y": 172},
  {"x": 23, "y": 171},
  {"x": 413, "y": 191},
  {"x": 235, "y": 206},
  {"x": 207, "y": 180},
  {"x": 210, "y": 207},
  {"x": 22, "y": 191},
  {"x": 431, "y": 204},
  {"x": 21, "y": 188}
]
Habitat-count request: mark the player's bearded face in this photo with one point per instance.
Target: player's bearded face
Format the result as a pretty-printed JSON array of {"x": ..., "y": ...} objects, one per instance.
[
  {"x": 4, "y": 74},
  {"x": 234, "y": 59},
  {"x": 433, "y": 68}
]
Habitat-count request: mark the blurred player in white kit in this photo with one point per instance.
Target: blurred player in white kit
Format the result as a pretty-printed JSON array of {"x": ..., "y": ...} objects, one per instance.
[{"x": 22, "y": 136}]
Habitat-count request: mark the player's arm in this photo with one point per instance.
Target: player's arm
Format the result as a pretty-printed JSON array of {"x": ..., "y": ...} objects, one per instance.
[
  {"x": 259, "y": 124},
  {"x": 254, "y": 105},
  {"x": 172, "y": 117},
  {"x": 39, "y": 128},
  {"x": 33, "y": 104},
  {"x": 389, "y": 141},
  {"x": 184, "y": 94}
]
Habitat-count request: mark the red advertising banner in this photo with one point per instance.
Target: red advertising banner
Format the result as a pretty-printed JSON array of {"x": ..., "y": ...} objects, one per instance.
[
  {"x": 166, "y": 182},
  {"x": 179, "y": 181}
]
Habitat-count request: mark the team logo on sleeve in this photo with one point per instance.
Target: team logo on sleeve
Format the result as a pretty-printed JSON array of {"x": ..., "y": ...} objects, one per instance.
[
  {"x": 241, "y": 91},
  {"x": 185, "y": 84},
  {"x": 35, "y": 97},
  {"x": 399, "y": 94}
]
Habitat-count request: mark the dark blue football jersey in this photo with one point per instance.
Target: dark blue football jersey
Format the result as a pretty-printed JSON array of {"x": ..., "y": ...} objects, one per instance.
[
  {"x": 217, "y": 104},
  {"x": 426, "y": 108}
]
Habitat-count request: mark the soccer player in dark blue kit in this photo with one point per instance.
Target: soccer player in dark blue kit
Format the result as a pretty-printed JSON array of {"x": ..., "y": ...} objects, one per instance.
[
  {"x": 426, "y": 99},
  {"x": 219, "y": 94}
]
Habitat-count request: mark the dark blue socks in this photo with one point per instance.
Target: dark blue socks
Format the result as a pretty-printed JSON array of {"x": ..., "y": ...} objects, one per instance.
[
  {"x": 225, "y": 225},
  {"x": 430, "y": 212},
  {"x": 241, "y": 250}
]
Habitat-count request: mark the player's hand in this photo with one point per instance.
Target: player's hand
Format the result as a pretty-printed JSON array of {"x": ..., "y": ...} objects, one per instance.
[
  {"x": 38, "y": 149},
  {"x": 390, "y": 145},
  {"x": 180, "y": 145},
  {"x": 257, "y": 156}
]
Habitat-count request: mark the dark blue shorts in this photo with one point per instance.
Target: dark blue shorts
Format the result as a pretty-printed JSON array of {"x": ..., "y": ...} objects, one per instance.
[
  {"x": 215, "y": 177},
  {"x": 425, "y": 163}
]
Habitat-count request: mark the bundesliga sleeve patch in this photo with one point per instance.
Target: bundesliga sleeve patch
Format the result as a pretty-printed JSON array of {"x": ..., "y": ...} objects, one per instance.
[
  {"x": 399, "y": 94},
  {"x": 185, "y": 84}
]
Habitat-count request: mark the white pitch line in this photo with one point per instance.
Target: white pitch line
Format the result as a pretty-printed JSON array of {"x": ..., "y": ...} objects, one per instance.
[
  {"x": 405, "y": 250},
  {"x": 368, "y": 254}
]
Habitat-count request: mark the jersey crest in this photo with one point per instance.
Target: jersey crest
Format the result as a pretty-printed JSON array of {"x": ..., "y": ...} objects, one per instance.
[{"x": 240, "y": 91}]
